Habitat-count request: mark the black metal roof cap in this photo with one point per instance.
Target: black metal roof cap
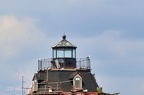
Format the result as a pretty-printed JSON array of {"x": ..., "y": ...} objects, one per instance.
[{"x": 64, "y": 43}]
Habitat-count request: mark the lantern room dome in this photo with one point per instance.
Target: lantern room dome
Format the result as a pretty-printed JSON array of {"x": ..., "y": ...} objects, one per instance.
[{"x": 64, "y": 43}]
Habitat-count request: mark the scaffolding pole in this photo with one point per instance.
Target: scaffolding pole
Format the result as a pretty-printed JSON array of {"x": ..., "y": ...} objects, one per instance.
[{"x": 22, "y": 84}]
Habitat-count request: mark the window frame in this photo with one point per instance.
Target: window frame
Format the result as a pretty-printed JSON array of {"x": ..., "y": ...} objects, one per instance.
[{"x": 77, "y": 79}]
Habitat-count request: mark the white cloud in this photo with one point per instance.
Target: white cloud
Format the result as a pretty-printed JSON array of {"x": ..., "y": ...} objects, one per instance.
[{"x": 16, "y": 34}]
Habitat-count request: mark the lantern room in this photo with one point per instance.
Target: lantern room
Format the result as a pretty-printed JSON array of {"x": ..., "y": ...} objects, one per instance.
[
  {"x": 64, "y": 54},
  {"x": 64, "y": 49}
]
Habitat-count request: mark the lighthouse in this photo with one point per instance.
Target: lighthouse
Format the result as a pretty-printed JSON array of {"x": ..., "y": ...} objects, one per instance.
[{"x": 64, "y": 73}]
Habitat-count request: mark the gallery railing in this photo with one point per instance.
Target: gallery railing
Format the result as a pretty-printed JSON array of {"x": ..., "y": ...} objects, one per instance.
[{"x": 81, "y": 63}]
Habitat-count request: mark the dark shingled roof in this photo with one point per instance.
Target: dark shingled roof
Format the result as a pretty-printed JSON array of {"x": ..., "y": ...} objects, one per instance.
[{"x": 63, "y": 76}]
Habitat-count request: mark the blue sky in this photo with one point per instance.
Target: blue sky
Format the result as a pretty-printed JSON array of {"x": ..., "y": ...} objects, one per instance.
[{"x": 110, "y": 31}]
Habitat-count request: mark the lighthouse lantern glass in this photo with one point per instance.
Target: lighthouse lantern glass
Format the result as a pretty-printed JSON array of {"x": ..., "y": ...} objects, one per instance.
[{"x": 64, "y": 53}]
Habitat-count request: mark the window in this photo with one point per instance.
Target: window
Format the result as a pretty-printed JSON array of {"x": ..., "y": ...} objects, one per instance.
[
  {"x": 74, "y": 53},
  {"x": 63, "y": 52},
  {"x": 77, "y": 82},
  {"x": 67, "y": 53},
  {"x": 77, "y": 78},
  {"x": 60, "y": 53}
]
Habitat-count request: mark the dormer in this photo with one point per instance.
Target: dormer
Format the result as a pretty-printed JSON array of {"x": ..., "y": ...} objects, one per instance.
[{"x": 76, "y": 77}]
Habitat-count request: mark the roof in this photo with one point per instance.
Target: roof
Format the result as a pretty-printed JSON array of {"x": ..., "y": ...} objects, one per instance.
[
  {"x": 64, "y": 43},
  {"x": 65, "y": 76},
  {"x": 74, "y": 74}
]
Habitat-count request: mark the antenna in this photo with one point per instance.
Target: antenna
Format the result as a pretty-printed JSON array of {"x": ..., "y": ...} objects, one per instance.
[{"x": 23, "y": 85}]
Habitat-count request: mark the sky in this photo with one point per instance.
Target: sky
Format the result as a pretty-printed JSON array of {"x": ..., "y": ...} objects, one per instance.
[{"x": 110, "y": 31}]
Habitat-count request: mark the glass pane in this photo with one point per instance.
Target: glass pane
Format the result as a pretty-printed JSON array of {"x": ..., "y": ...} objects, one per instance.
[
  {"x": 77, "y": 78},
  {"x": 68, "y": 53},
  {"x": 54, "y": 55},
  {"x": 77, "y": 83},
  {"x": 74, "y": 54},
  {"x": 60, "y": 54}
]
